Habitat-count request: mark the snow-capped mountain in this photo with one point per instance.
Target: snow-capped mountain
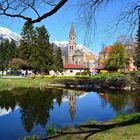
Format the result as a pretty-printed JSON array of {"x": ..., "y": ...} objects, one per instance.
[
  {"x": 64, "y": 47},
  {"x": 5, "y": 33}
]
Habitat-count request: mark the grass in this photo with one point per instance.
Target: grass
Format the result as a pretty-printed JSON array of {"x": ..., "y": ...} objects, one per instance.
[
  {"x": 9, "y": 83},
  {"x": 24, "y": 82},
  {"x": 127, "y": 127}
]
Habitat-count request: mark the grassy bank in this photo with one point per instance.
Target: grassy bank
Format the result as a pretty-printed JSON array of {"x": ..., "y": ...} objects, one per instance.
[
  {"x": 124, "y": 127},
  {"x": 23, "y": 82},
  {"x": 11, "y": 82}
]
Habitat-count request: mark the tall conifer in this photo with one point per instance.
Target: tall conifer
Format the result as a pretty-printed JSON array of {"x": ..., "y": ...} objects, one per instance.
[{"x": 58, "y": 61}]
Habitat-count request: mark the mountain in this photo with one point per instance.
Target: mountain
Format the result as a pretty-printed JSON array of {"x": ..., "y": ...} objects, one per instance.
[
  {"x": 64, "y": 47},
  {"x": 5, "y": 33}
]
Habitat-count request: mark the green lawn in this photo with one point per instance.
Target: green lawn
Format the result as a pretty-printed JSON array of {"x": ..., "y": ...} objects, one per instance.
[
  {"x": 9, "y": 83},
  {"x": 124, "y": 127}
]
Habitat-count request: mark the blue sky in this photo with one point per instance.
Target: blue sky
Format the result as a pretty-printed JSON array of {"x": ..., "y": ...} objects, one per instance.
[{"x": 59, "y": 25}]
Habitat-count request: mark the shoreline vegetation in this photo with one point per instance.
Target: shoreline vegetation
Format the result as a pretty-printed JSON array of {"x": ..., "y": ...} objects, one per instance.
[
  {"x": 108, "y": 81},
  {"x": 120, "y": 127}
]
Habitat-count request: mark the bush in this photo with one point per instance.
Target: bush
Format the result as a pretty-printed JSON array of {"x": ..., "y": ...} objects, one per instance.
[
  {"x": 133, "y": 73},
  {"x": 84, "y": 73},
  {"x": 78, "y": 73},
  {"x": 104, "y": 71},
  {"x": 51, "y": 130}
]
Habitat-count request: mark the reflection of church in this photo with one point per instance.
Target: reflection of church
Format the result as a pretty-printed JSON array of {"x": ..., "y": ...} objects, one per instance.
[
  {"x": 72, "y": 101},
  {"x": 72, "y": 104}
]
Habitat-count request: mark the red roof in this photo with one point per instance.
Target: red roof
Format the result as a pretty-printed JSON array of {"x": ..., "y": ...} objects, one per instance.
[
  {"x": 106, "y": 49},
  {"x": 74, "y": 66}
]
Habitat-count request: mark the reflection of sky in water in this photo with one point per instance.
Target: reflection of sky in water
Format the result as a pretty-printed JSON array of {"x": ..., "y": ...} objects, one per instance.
[{"x": 88, "y": 106}]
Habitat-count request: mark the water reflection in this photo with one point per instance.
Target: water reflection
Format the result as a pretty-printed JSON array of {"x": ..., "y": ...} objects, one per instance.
[
  {"x": 123, "y": 103},
  {"x": 35, "y": 104}
]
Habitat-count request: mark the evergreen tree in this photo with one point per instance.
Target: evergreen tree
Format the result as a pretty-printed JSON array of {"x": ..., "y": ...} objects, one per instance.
[
  {"x": 58, "y": 61},
  {"x": 7, "y": 52},
  {"x": 27, "y": 41},
  {"x": 137, "y": 61},
  {"x": 42, "y": 53}
]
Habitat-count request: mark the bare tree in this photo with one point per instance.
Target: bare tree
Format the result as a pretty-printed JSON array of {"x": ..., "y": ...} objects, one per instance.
[
  {"x": 20, "y": 8},
  {"x": 88, "y": 9},
  {"x": 128, "y": 17}
]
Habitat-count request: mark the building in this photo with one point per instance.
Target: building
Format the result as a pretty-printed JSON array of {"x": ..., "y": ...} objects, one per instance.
[
  {"x": 131, "y": 50},
  {"x": 76, "y": 59},
  {"x": 103, "y": 57},
  {"x": 75, "y": 56},
  {"x": 72, "y": 69}
]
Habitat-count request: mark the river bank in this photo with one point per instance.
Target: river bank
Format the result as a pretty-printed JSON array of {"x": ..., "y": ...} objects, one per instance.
[
  {"x": 111, "y": 81},
  {"x": 128, "y": 81},
  {"x": 121, "y": 127}
]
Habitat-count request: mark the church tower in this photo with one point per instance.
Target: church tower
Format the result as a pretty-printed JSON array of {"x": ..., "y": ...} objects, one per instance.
[{"x": 72, "y": 45}]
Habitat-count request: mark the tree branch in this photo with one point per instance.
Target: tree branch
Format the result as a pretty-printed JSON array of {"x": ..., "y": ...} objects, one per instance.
[{"x": 6, "y": 8}]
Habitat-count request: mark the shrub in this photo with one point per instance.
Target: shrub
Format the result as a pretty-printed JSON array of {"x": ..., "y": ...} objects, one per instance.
[
  {"x": 51, "y": 129},
  {"x": 77, "y": 73},
  {"x": 104, "y": 71}
]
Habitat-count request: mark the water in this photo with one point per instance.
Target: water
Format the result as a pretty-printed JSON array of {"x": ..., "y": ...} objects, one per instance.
[{"x": 28, "y": 111}]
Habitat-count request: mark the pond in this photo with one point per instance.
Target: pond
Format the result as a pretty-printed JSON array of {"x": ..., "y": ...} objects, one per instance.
[{"x": 28, "y": 111}]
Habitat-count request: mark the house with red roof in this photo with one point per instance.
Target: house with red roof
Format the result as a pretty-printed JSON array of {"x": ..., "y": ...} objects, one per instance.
[
  {"x": 103, "y": 57},
  {"x": 72, "y": 69}
]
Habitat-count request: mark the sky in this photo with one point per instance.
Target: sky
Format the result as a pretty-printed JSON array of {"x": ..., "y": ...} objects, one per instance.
[{"x": 59, "y": 24}]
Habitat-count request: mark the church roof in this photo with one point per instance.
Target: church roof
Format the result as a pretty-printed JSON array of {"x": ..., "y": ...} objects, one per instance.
[
  {"x": 90, "y": 57},
  {"x": 106, "y": 49},
  {"x": 78, "y": 53},
  {"x": 74, "y": 66}
]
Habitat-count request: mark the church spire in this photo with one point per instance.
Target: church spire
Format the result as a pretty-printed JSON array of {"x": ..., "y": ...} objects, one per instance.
[{"x": 72, "y": 31}]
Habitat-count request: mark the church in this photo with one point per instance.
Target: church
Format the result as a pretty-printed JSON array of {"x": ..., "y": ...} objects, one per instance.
[
  {"x": 76, "y": 60},
  {"x": 75, "y": 56}
]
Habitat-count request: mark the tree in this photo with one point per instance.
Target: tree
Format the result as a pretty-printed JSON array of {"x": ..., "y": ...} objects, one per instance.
[
  {"x": 58, "y": 61},
  {"x": 17, "y": 64},
  {"x": 137, "y": 61},
  {"x": 19, "y": 9},
  {"x": 7, "y": 52},
  {"x": 41, "y": 58},
  {"x": 27, "y": 41},
  {"x": 117, "y": 57}
]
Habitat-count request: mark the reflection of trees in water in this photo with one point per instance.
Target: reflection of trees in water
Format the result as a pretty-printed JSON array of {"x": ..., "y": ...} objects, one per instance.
[
  {"x": 35, "y": 104},
  {"x": 121, "y": 103},
  {"x": 7, "y": 101}
]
